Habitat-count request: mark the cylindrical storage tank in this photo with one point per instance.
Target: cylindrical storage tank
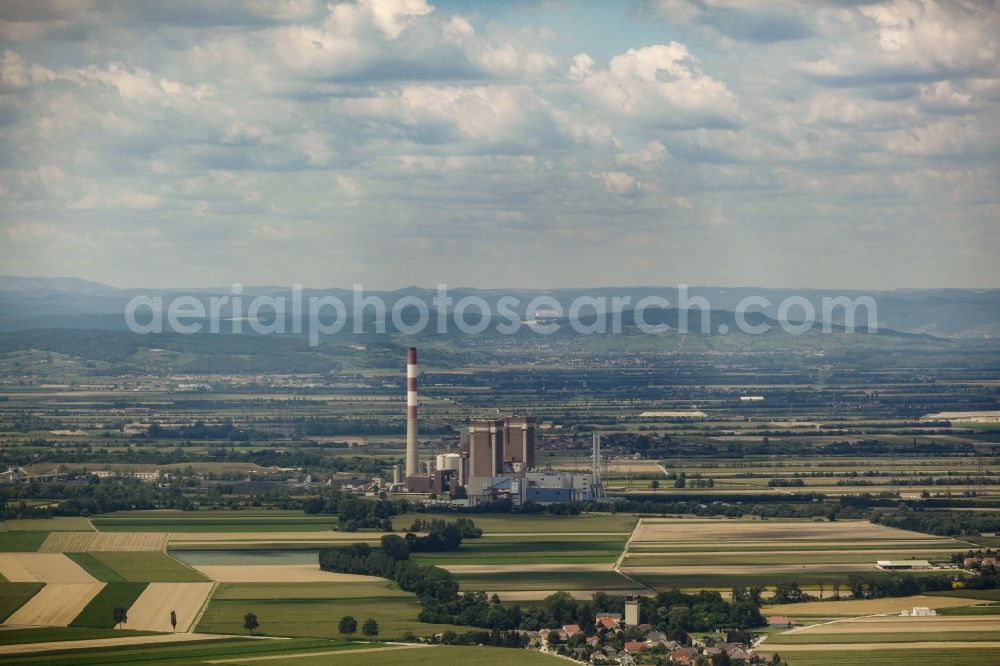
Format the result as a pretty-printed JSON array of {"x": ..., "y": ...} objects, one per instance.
[{"x": 448, "y": 461}]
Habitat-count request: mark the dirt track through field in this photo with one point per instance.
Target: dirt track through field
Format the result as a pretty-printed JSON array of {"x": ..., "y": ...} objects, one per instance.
[
  {"x": 151, "y": 611},
  {"x": 90, "y": 542},
  {"x": 42, "y": 568},
  {"x": 24, "y": 648},
  {"x": 279, "y": 573},
  {"x": 55, "y": 605}
]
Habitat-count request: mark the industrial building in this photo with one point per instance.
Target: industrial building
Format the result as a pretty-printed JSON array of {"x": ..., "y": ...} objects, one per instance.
[{"x": 495, "y": 461}]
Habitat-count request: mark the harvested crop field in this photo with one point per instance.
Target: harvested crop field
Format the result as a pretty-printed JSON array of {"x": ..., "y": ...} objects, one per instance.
[
  {"x": 42, "y": 567},
  {"x": 717, "y": 554},
  {"x": 56, "y": 605},
  {"x": 896, "y": 624},
  {"x": 864, "y": 606},
  {"x": 668, "y": 531},
  {"x": 151, "y": 611},
  {"x": 88, "y": 542},
  {"x": 280, "y": 573},
  {"x": 916, "y": 645}
]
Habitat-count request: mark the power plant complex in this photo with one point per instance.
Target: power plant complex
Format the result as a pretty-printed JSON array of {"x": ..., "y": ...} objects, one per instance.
[{"x": 495, "y": 461}]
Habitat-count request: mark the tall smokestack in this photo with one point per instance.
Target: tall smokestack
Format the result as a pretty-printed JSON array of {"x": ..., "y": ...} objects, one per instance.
[{"x": 412, "y": 458}]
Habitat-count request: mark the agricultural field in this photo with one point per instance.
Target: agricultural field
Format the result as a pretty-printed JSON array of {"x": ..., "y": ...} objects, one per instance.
[
  {"x": 137, "y": 567},
  {"x": 85, "y": 542},
  {"x": 92, "y": 647},
  {"x": 15, "y": 595},
  {"x": 151, "y": 610},
  {"x": 936, "y": 653},
  {"x": 666, "y": 553},
  {"x": 42, "y": 567},
  {"x": 312, "y": 616},
  {"x": 212, "y": 522},
  {"x": 100, "y": 611},
  {"x": 431, "y": 656},
  {"x": 55, "y": 605},
  {"x": 23, "y": 542}
]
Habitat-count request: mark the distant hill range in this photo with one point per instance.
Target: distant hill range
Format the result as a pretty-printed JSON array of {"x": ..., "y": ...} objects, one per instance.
[{"x": 71, "y": 303}]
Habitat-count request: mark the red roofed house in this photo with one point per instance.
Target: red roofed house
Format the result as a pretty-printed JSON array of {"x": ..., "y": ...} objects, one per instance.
[
  {"x": 571, "y": 629},
  {"x": 780, "y": 622},
  {"x": 683, "y": 656},
  {"x": 989, "y": 562},
  {"x": 969, "y": 561},
  {"x": 635, "y": 646},
  {"x": 608, "y": 621}
]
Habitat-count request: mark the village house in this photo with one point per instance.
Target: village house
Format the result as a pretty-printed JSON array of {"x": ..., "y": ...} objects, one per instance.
[
  {"x": 635, "y": 646},
  {"x": 683, "y": 655},
  {"x": 780, "y": 622}
]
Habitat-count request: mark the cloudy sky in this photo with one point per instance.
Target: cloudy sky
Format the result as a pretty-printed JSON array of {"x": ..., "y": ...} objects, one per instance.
[{"x": 530, "y": 144}]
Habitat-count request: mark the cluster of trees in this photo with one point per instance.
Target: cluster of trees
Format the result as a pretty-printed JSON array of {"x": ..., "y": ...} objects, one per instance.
[
  {"x": 89, "y": 496},
  {"x": 895, "y": 585},
  {"x": 944, "y": 523},
  {"x": 354, "y": 513},
  {"x": 348, "y": 626},
  {"x": 199, "y": 431}
]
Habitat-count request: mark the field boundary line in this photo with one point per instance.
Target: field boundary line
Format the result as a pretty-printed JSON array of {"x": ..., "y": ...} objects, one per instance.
[
  {"x": 204, "y": 607},
  {"x": 621, "y": 558}
]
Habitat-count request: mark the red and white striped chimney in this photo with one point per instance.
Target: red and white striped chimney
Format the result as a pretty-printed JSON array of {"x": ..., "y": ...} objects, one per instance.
[{"x": 412, "y": 457}]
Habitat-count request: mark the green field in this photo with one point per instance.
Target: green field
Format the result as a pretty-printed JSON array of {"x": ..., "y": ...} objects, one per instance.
[
  {"x": 100, "y": 611},
  {"x": 89, "y": 563},
  {"x": 992, "y": 609},
  {"x": 57, "y": 524},
  {"x": 136, "y": 567},
  {"x": 15, "y": 595},
  {"x": 235, "y": 591},
  {"x": 986, "y": 595},
  {"x": 317, "y": 618},
  {"x": 233, "y": 521},
  {"x": 46, "y": 634},
  {"x": 21, "y": 542},
  {"x": 533, "y": 550},
  {"x": 890, "y": 657},
  {"x": 170, "y": 654},
  {"x": 233, "y": 554},
  {"x": 459, "y": 655},
  {"x": 544, "y": 580}
]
